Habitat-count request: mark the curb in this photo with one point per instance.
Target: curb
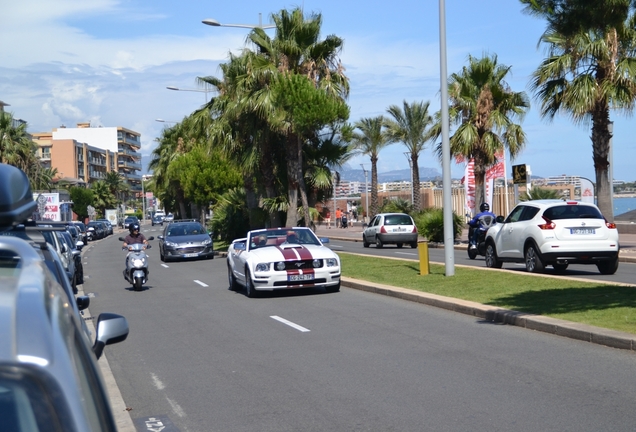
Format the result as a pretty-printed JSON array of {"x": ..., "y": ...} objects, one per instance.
[{"x": 555, "y": 326}]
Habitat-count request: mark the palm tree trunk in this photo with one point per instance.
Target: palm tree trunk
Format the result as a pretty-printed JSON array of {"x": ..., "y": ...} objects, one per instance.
[
  {"x": 301, "y": 183},
  {"x": 292, "y": 183},
  {"x": 417, "y": 197},
  {"x": 374, "y": 187},
  {"x": 600, "y": 152}
]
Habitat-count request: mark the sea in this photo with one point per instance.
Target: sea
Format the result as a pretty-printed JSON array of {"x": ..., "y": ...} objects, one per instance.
[{"x": 623, "y": 205}]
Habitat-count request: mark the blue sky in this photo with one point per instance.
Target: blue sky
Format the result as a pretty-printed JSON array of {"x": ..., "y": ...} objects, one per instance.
[{"x": 109, "y": 62}]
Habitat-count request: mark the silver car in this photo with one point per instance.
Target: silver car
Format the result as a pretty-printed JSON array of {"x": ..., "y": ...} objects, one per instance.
[
  {"x": 185, "y": 239},
  {"x": 390, "y": 228}
]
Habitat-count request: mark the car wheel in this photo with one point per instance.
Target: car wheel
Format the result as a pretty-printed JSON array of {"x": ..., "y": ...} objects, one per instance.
[
  {"x": 533, "y": 260},
  {"x": 74, "y": 284},
  {"x": 414, "y": 245},
  {"x": 333, "y": 288},
  {"x": 249, "y": 285},
  {"x": 399, "y": 245},
  {"x": 378, "y": 242},
  {"x": 559, "y": 268},
  {"x": 365, "y": 243},
  {"x": 161, "y": 256},
  {"x": 231, "y": 278},
  {"x": 491, "y": 257},
  {"x": 608, "y": 267}
]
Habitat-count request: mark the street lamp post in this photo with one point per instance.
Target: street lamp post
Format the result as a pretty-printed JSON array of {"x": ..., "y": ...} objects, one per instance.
[
  {"x": 215, "y": 23},
  {"x": 166, "y": 121},
  {"x": 366, "y": 188},
  {"x": 143, "y": 198},
  {"x": 204, "y": 90}
]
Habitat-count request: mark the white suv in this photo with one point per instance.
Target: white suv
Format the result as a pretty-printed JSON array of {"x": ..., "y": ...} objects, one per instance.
[{"x": 554, "y": 232}]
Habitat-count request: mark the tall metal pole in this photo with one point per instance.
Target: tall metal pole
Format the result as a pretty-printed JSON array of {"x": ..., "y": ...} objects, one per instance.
[
  {"x": 449, "y": 240},
  {"x": 333, "y": 179},
  {"x": 143, "y": 199},
  {"x": 610, "y": 128},
  {"x": 366, "y": 188}
]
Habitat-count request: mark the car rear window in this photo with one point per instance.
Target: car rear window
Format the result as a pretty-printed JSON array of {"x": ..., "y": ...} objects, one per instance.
[
  {"x": 571, "y": 211},
  {"x": 398, "y": 220}
]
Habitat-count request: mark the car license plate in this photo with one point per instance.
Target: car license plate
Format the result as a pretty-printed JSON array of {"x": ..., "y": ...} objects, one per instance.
[
  {"x": 192, "y": 255},
  {"x": 582, "y": 231},
  {"x": 300, "y": 277}
]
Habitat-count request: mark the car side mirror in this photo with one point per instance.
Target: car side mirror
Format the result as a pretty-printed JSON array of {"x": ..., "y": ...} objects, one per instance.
[
  {"x": 151, "y": 238},
  {"x": 324, "y": 240},
  {"x": 160, "y": 237},
  {"x": 64, "y": 248},
  {"x": 500, "y": 219},
  {"x": 122, "y": 239},
  {"x": 111, "y": 328},
  {"x": 83, "y": 302}
]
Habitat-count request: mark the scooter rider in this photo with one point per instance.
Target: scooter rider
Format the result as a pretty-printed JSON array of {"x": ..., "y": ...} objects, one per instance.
[
  {"x": 481, "y": 223},
  {"x": 134, "y": 237}
]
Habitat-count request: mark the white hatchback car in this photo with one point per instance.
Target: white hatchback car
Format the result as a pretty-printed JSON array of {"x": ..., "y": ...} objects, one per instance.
[
  {"x": 554, "y": 232},
  {"x": 390, "y": 228}
]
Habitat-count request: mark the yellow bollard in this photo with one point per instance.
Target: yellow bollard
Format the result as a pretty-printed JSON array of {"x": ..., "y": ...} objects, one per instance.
[{"x": 422, "y": 249}]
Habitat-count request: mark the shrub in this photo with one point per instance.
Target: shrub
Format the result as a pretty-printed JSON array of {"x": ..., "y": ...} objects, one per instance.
[{"x": 430, "y": 224}]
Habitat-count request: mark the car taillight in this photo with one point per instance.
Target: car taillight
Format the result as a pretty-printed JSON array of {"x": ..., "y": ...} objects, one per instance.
[
  {"x": 548, "y": 225},
  {"x": 382, "y": 230},
  {"x": 610, "y": 225},
  {"x": 414, "y": 229}
]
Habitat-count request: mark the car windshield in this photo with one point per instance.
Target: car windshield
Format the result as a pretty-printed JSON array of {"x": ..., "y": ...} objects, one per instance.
[
  {"x": 570, "y": 211},
  {"x": 185, "y": 229},
  {"x": 399, "y": 219},
  {"x": 276, "y": 237}
]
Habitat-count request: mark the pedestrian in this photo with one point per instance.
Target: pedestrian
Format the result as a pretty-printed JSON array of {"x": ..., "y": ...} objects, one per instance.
[
  {"x": 328, "y": 219},
  {"x": 351, "y": 218},
  {"x": 338, "y": 217}
]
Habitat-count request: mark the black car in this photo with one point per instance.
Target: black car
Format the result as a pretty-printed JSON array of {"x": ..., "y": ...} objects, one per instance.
[
  {"x": 98, "y": 228},
  {"x": 130, "y": 220},
  {"x": 82, "y": 231},
  {"x": 185, "y": 239},
  {"x": 157, "y": 220}
]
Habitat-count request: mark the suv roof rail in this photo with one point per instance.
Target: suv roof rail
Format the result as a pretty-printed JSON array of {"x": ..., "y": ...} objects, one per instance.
[{"x": 183, "y": 220}]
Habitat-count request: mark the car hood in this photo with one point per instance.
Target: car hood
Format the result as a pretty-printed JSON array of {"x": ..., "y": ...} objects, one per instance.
[
  {"x": 195, "y": 238},
  {"x": 292, "y": 252}
]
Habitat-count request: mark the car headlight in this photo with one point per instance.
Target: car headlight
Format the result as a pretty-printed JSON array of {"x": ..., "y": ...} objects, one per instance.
[
  {"x": 317, "y": 263},
  {"x": 138, "y": 263},
  {"x": 331, "y": 262},
  {"x": 262, "y": 267},
  {"x": 171, "y": 244},
  {"x": 206, "y": 242},
  {"x": 280, "y": 266}
]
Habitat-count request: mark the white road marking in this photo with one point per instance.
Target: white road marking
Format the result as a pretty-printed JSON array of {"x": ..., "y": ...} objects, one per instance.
[
  {"x": 405, "y": 253},
  {"x": 165, "y": 265},
  {"x": 200, "y": 283},
  {"x": 176, "y": 408},
  {"x": 335, "y": 246},
  {"x": 157, "y": 382},
  {"x": 289, "y": 323}
]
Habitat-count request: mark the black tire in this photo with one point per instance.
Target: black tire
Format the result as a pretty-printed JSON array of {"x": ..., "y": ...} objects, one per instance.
[
  {"x": 414, "y": 245},
  {"x": 491, "y": 257},
  {"x": 399, "y": 245},
  {"x": 137, "y": 284},
  {"x": 378, "y": 243},
  {"x": 534, "y": 264},
  {"x": 74, "y": 284},
  {"x": 250, "y": 292},
  {"x": 608, "y": 267},
  {"x": 472, "y": 253},
  {"x": 333, "y": 289},
  {"x": 559, "y": 268},
  {"x": 161, "y": 257},
  {"x": 365, "y": 243},
  {"x": 231, "y": 279}
]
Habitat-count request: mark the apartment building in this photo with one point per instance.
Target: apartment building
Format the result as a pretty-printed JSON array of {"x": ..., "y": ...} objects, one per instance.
[{"x": 88, "y": 153}]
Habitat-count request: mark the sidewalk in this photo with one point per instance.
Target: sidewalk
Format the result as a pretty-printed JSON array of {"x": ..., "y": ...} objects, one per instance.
[{"x": 354, "y": 233}]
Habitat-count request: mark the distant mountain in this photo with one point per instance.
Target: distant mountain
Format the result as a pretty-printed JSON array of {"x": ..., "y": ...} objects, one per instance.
[{"x": 426, "y": 174}]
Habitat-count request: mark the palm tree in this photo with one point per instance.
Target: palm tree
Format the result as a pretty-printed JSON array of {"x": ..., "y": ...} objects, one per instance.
[
  {"x": 483, "y": 108},
  {"x": 590, "y": 68},
  {"x": 370, "y": 139},
  {"x": 103, "y": 197},
  {"x": 116, "y": 184},
  {"x": 412, "y": 127},
  {"x": 296, "y": 50},
  {"x": 17, "y": 148}
]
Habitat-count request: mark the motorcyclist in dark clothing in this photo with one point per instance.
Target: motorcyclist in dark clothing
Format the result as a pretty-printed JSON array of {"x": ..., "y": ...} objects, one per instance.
[
  {"x": 481, "y": 222},
  {"x": 135, "y": 237}
]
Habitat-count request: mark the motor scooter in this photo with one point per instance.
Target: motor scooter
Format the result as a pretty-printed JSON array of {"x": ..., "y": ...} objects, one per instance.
[
  {"x": 136, "y": 271},
  {"x": 487, "y": 222}
]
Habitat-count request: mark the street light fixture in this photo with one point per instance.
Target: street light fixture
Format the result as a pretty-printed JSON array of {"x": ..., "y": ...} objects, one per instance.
[
  {"x": 165, "y": 121},
  {"x": 215, "y": 23},
  {"x": 204, "y": 90}
]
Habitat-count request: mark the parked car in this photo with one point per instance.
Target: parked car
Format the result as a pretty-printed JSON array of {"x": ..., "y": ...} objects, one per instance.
[
  {"x": 282, "y": 258},
  {"x": 185, "y": 239},
  {"x": 107, "y": 225},
  {"x": 390, "y": 228},
  {"x": 77, "y": 257},
  {"x": 554, "y": 233},
  {"x": 129, "y": 220},
  {"x": 99, "y": 231},
  {"x": 82, "y": 229},
  {"x": 157, "y": 219},
  {"x": 168, "y": 218}
]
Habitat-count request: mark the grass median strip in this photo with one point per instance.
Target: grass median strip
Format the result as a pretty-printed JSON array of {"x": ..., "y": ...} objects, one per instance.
[{"x": 599, "y": 304}]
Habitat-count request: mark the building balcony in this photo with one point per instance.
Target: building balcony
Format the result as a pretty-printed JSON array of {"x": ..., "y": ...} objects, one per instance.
[{"x": 129, "y": 164}]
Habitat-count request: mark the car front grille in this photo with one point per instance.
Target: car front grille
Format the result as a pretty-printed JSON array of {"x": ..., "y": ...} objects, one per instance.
[{"x": 301, "y": 265}]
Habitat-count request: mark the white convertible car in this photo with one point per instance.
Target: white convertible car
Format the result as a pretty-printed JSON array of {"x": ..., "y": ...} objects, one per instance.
[{"x": 282, "y": 258}]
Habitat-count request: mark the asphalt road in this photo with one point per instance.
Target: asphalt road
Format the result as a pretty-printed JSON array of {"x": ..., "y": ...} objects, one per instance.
[
  {"x": 202, "y": 358},
  {"x": 626, "y": 271}
]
